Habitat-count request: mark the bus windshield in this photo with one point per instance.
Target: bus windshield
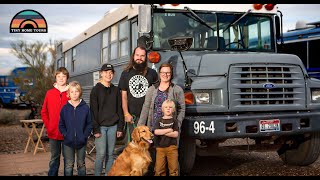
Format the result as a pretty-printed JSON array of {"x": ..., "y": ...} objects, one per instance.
[{"x": 225, "y": 32}]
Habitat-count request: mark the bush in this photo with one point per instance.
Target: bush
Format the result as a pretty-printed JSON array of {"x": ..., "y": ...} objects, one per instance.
[{"x": 12, "y": 116}]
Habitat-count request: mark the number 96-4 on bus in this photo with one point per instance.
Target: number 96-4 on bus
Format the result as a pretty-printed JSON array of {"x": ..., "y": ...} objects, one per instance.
[{"x": 201, "y": 127}]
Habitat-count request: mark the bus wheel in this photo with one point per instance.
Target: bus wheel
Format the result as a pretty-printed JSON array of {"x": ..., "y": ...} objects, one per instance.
[
  {"x": 187, "y": 154},
  {"x": 301, "y": 150},
  {"x": 1, "y": 104}
]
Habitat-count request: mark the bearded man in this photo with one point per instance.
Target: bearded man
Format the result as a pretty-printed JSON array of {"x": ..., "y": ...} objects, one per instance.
[{"x": 134, "y": 82}]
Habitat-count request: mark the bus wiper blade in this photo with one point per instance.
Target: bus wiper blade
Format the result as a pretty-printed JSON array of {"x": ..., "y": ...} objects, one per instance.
[
  {"x": 199, "y": 18},
  {"x": 237, "y": 20}
]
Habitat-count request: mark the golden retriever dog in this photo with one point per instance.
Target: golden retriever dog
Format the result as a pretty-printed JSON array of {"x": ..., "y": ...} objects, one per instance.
[{"x": 135, "y": 158}]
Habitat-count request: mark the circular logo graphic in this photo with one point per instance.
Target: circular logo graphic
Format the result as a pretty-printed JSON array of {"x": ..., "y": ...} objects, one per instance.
[{"x": 138, "y": 86}]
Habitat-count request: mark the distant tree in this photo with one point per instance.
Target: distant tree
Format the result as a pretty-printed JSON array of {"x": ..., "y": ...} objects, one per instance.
[{"x": 40, "y": 57}]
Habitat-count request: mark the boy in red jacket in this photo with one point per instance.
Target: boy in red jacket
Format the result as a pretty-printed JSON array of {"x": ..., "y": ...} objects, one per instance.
[{"x": 55, "y": 99}]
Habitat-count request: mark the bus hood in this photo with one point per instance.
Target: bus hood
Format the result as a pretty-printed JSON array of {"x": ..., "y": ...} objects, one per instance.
[{"x": 218, "y": 64}]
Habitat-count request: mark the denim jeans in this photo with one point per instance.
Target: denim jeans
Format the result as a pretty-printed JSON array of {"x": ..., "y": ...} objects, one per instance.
[
  {"x": 104, "y": 149},
  {"x": 54, "y": 164},
  {"x": 69, "y": 159}
]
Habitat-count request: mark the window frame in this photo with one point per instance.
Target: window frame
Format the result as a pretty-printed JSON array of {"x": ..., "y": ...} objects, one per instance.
[
  {"x": 74, "y": 54},
  {"x": 123, "y": 38},
  {"x": 106, "y": 45}
]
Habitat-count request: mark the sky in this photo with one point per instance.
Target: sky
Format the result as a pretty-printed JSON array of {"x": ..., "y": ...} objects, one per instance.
[{"x": 66, "y": 21}]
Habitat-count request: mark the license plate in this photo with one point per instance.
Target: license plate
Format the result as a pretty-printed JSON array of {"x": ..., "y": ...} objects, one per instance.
[{"x": 269, "y": 125}]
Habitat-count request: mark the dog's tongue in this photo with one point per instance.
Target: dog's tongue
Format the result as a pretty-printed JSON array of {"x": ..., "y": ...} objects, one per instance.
[{"x": 150, "y": 141}]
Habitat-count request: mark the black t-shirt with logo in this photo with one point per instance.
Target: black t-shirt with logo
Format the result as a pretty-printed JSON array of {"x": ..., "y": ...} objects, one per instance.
[
  {"x": 162, "y": 140},
  {"x": 136, "y": 86}
]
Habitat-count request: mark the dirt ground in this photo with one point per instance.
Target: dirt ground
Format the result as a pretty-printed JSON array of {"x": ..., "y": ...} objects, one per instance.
[{"x": 13, "y": 137}]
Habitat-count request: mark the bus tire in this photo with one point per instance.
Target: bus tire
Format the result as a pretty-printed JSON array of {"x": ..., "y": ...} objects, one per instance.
[
  {"x": 187, "y": 154},
  {"x": 305, "y": 152}
]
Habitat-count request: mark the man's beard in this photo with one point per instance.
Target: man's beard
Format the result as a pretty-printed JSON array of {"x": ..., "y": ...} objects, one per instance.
[{"x": 140, "y": 67}]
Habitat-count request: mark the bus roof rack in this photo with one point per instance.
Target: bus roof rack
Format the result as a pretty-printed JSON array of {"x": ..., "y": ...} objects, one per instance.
[
  {"x": 301, "y": 24},
  {"x": 317, "y": 23}
]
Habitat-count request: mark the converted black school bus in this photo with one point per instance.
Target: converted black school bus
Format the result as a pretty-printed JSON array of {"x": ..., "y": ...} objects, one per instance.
[{"x": 226, "y": 58}]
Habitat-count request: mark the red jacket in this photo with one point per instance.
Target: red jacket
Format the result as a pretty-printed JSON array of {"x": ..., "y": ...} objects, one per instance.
[{"x": 50, "y": 113}]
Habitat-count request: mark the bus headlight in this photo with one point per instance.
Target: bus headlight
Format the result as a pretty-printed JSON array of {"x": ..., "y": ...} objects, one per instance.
[
  {"x": 214, "y": 97},
  {"x": 315, "y": 95},
  {"x": 202, "y": 98}
]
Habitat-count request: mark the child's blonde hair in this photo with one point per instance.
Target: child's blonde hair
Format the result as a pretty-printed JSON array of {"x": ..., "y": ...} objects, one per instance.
[
  {"x": 77, "y": 85},
  {"x": 168, "y": 102}
]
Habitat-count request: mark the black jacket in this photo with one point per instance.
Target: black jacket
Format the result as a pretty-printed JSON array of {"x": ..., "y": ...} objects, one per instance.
[{"x": 105, "y": 105}]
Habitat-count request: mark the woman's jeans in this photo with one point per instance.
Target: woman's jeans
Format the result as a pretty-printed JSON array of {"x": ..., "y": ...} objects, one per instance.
[
  {"x": 54, "y": 164},
  {"x": 69, "y": 159},
  {"x": 104, "y": 149}
]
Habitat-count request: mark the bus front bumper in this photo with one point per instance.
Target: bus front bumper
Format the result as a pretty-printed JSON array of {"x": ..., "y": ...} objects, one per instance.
[{"x": 251, "y": 125}]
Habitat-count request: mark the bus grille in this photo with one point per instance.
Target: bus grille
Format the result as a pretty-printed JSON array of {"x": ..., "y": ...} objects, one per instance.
[{"x": 266, "y": 85}]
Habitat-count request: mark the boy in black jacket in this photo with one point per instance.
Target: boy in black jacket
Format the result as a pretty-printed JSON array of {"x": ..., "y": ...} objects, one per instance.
[{"x": 105, "y": 105}]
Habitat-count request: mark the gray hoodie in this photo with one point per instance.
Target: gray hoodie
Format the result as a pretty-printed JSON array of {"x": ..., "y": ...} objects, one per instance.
[{"x": 175, "y": 93}]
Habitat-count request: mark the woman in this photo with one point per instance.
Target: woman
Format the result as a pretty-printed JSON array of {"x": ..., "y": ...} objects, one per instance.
[{"x": 158, "y": 93}]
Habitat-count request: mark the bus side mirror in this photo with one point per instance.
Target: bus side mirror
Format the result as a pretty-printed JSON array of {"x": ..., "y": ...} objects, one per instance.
[
  {"x": 145, "y": 41},
  {"x": 144, "y": 19},
  {"x": 278, "y": 27}
]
